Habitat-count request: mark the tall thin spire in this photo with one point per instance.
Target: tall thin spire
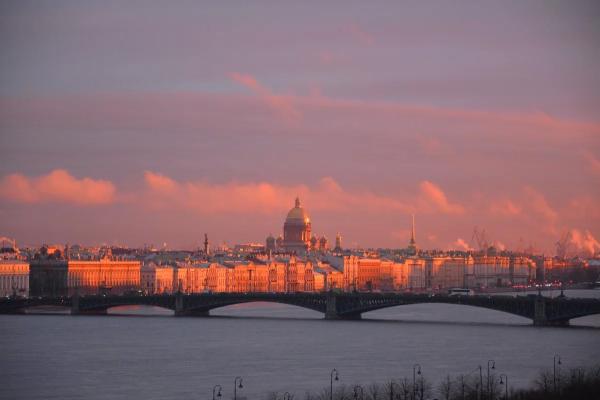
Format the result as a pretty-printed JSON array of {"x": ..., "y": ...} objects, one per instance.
[
  {"x": 412, "y": 235},
  {"x": 412, "y": 245},
  {"x": 206, "y": 244}
]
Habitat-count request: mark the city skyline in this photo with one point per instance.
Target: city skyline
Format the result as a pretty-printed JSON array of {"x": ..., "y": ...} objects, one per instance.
[
  {"x": 484, "y": 117},
  {"x": 299, "y": 200}
]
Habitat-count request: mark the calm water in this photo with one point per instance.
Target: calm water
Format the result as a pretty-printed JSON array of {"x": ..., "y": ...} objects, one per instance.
[{"x": 273, "y": 347}]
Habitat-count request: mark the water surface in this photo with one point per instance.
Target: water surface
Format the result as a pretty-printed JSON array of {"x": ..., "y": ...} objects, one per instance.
[{"x": 274, "y": 347}]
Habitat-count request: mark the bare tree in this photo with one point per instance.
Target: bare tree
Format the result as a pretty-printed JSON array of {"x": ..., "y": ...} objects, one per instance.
[
  {"x": 405, "y": 389},
  {"x": 544, "y": 381},
  {"x": 445, "y": 388},
  {"x": 374, "y": 391}
]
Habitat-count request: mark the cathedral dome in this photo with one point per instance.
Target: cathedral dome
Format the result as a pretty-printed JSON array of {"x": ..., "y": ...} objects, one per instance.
[{"x": 298, "y": 214}]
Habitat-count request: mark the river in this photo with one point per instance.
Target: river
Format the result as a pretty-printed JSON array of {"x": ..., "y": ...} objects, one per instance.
[{"x": 146, "y": 353}]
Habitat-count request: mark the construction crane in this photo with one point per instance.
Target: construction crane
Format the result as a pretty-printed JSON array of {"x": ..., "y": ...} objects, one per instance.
[
  {"x": 562, "y": 245},
  {"x": 479, "y": 238}
]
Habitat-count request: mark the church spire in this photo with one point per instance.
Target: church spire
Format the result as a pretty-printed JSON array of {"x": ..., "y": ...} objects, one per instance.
[
  {"x": 412, "y": 245},
  {"x": 206, "y": 245},
  {"x": 412, "y": 234}
]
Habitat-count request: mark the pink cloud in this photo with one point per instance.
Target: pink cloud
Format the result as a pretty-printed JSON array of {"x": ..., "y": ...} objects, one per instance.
[
  {"x": 584, "y": 242},
  {"x": 433, "y": 196},
  {"x": 505, "y": 207},
  {"x": 539, "y": 205},
  {"x": 57, "y": 186},
  {"x": 283, "y": 105},
  {"x": 460, "y": 244},
  {"x": 593, "y": 162},
  {"x": 267, "y": 198},
  {"x": 261, "y": 197}
]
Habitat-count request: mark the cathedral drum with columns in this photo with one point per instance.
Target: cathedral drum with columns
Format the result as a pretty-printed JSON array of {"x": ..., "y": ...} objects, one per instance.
[{"x": 296, "y": 230}]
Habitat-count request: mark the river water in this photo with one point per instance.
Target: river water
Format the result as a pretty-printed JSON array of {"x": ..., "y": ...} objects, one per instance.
[{"x": 146, "y": 353}]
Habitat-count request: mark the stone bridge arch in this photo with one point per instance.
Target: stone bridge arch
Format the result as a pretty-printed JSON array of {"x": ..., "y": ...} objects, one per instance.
[{"x": 200, "y": 305}]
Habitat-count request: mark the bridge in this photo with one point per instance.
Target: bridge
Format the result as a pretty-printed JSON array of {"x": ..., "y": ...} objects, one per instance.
[{"x": 543, "y": 311}]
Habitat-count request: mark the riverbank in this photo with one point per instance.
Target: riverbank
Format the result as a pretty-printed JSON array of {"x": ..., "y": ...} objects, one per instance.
[{"x": 575, "y": 383}]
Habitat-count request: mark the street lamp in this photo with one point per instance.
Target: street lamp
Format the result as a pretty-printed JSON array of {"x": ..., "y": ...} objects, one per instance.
[
  {"x": 333, "y": 372},
  {"x": 493, "y": 364},
  {"x": 505, "y": 384},
  {"x": 362, "y": 392},
  {"x": 556, "y": 357},
  {"x": 219, "y": 393},
  {"x": 416, "y": 371},
  {"x": 237, "y": 385}
]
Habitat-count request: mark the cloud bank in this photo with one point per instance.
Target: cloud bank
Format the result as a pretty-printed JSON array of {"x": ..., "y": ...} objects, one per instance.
[{"x": 57, "y": 186}]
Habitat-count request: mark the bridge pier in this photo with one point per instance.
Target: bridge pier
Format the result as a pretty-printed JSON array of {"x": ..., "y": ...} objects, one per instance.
[
  {"x": 331, "y": 310},
  {"x": 182, "y": 311},
  {"x": 76, "y": 309},
  {"x": 541, "y": 317}
]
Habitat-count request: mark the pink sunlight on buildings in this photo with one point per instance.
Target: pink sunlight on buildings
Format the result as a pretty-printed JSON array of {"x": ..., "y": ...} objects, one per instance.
[{"x": 214, "y": 118}]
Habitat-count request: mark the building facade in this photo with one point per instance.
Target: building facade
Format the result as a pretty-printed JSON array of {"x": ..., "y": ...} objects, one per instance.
[
  {"x": 14, "y": 278},
  {"x": 56, "y": 278}
]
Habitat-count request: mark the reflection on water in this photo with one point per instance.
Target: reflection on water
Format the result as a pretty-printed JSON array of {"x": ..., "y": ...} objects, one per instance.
[{"x": 274, "y": 347}]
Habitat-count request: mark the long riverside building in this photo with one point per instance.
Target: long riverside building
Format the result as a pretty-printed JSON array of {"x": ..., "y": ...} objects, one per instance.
[
  {"x": 347, "y": 273},
  {"x": 54, "y": 278}
]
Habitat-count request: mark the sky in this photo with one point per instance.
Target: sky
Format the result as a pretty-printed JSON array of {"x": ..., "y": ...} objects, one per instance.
[{"x": 156, "y": 122}]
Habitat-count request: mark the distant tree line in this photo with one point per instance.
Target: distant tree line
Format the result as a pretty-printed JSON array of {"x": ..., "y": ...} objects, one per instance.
[{"x": 575, "y": 384}]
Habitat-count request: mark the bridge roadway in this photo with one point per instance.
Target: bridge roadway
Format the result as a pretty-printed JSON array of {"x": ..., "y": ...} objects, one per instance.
[{"x": 543, "y": 311}]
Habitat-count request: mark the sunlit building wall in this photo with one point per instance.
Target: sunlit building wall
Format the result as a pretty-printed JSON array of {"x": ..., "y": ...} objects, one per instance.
[
  {"x": 190, "y": 278},
  {"x": 319, "y": 280},
  {"x": 375, "y": 274},
  {"x": 368, "y": 274},
  {"x": 277, "y": 277},
  {"x": 399, "y": 276},
  {"x": 347, "y": 265},
  {"x": 219, "y": 278},
  {"x": 446, "y": 272},
  {"x": 490, "y": 271},
  {"x": 105, "y": 275},
  {"x": 156, "y": 279},
  {"x": 522, "y": 270},
  {"x": 251, "y": 278},
  {"x": 415, "y": 270},
  {"x": 333, "y": 278},
  {"x": 14, "y": 278}
]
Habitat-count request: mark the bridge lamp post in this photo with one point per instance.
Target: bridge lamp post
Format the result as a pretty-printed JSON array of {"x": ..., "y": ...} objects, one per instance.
[
  {"x": 237, "y": 385},
  {"x": 493, "y": 364},
  {"x": 215, "y": 389},
  {"x": 333, "y": 373},
  {"x": 505, "y": 384},
  {"x": 362, "y": 392},
  {"x": 556, "y": 358},
  {"x": 416, "y": 371}
]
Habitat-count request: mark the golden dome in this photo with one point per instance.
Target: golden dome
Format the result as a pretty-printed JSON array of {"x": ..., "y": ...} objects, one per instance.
[{"x": 298, "y": 214}]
